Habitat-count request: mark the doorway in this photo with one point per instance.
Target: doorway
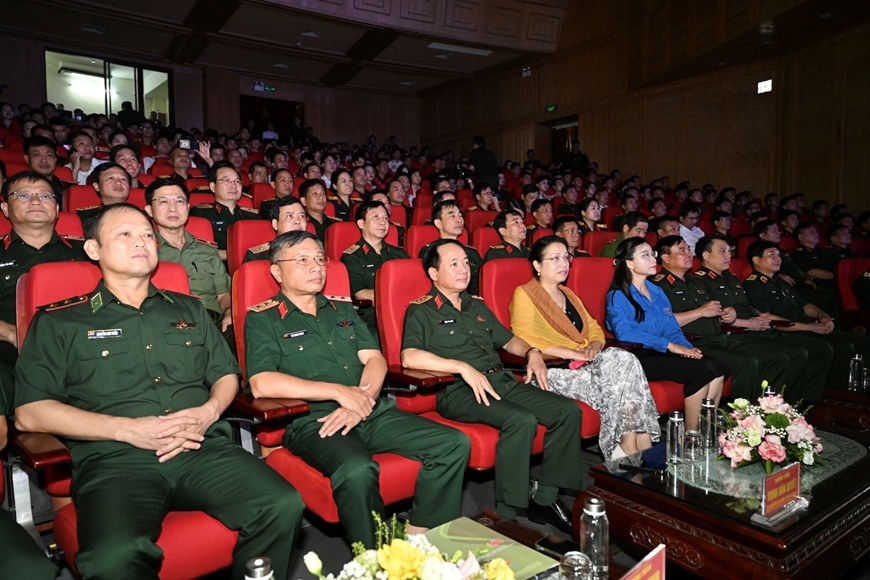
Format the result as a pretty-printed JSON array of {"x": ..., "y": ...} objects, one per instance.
[
  {"x": 562, "y": 134},
  {"x": 263, "y": 111}
]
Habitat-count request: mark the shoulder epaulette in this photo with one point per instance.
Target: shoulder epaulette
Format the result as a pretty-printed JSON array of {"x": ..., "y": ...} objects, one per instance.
[
  {"x": 866, "y": 274},
  {"x": 206, "y": 242},
  {"x": 204, "y": 206},
  {"x": 473, "y": 208},
  {"x": 335, "y": 219},
  {"x": 74, "y": 301},
  {"x": 332, "y": 298},
  {"x": 270, "y": 199},
  {"x": 246, "y": 194},
  {"x": 74, "y": 238},
  {"x": 331, "y": 198},
  {"x": 261, "y": 248},
  {"x": 477, "y": 297},
  {"x": 262, "y": 306},
  {"x": 498, "y": 247},
  {"x": 601, "y": 226},
  {"x": 249, "y": 210},
  {"x": 90, "y": 207},
  {"x": 352, "y": 249},
  {"x": 699, "y": 273},
  {"x": 397, "y": 224},
  {"x": 751, "y": 277},
  {"x": 164, "y": 176},
  {"x": 613, "y": 241},
  {"x": 659, "y": 278},
  {"x": 422, "y": 299},
  {"x": 583, "y": 252}
]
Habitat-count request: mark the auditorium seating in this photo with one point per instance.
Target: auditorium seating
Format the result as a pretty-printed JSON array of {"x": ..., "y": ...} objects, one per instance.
[
  {"x": 260, "y": 192},
  {"x": 483, "y": 238},
  {"x": 200, "y": 228},
  {"x": 594, "y": 241},
  {"x": 252, "y": 284},
  {"x": 244, "y": 235},
  {"x": 340, "y": 236},
  {"x": 853, "y": 317},
  {"x": 418, "y": 236},
  {"x": 478, "y": 219},
  {"x": 540, "y": 233}
]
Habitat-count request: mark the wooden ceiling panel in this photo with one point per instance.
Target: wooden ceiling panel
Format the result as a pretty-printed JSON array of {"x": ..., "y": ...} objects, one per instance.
[
  {"x": 415, "y": 51},
  {"x": 391, "y": 81},
  {"x": 247, "y": 59}
]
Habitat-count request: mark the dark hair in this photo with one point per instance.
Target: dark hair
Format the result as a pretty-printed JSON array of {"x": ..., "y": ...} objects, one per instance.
[
  {"x": 116, "y": 150},
  {"x": 757, "y": 216},
  {"x": 862, "y": 217},
  {"x": 338, "y": 173},
  {"x": 365, "y": 207},
  {"x": 530, "y": 188},
  {"x": 478, "y": 189},
  {"x": 801, "y": 229},
  {"x": 756, "y": 250},
  {"x": 666, "y": 244},
  {"x": 563, "y": 220},
  {"x": 770, "y": 196},
  {"x": 22, "y": 176},
  {"x": 35, "y": 141},
  {"x": 633, "y": 218},
  {"x": 275, "y": 210},
  {"x": 539, "y": 203},
  {"x": 662, "y": 220},
  {"x": 309, "y": 166},
  {"x": 103, "y": 167},
  {"x": 705, "y": 245},
  {"x": 213, "y": 172},
  {"x": 516, "y": 205},
  {"x": 584, "y": 205},
  {"x": 479, "y": 140},
  {"x": 288, "y": 240},
  {"x": 256, "y": 164},
  {"x": 439, "y": 208},
  {"x": 787, "y": 213},
  {"x": 2, "y": 169},
  {"x": 835, "y": 229},
  {"x": 438, "y": 197},
  {"x": 500, "y": 220},
  {"x": 718, "y": 215},
  {"x": 307, "y": 185},
  {"x": 720, "y": 200},
  {"x": 163, "y": 182},
  {"x": 622, "y": 275},
  {"x": 538, "y": 248},
  {"x": 92, "y": 225},
  {"x": 761, "y": 227},
  {"x": 278, "y": 171},
  {"x": 431, "y": 257},
  {"x": 688, "y": 208}
]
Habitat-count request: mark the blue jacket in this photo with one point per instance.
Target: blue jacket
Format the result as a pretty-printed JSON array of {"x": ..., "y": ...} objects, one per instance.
[{"x": 659, "y": 326}]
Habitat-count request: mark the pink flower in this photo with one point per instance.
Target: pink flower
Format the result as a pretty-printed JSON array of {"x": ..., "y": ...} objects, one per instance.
[
  {"x": 772, "y": 449},
  {"x": 754, "y": 424},
  {"x": 773, "y": 404},
  {"x": 736, "y": 452},
  {"x": 798, "y": 433},
  {"x": 819, "y": 448}
]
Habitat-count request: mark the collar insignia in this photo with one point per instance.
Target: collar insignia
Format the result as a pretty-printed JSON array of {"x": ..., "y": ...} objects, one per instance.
[
  {"x": 282, "y": 310},
  {"x": 96, "y": 302},
  {"x": 671, "y": 279},
  {"x": 438, "y": 302},
  {"x": 365, "y": 250}
]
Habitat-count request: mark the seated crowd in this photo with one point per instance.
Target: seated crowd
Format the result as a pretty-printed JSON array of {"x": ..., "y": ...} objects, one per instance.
[{"x": 709, "y": 290}]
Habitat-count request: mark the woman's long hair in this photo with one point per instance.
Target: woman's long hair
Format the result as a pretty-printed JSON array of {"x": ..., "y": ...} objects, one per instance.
[{"x": 622, "y": 275}]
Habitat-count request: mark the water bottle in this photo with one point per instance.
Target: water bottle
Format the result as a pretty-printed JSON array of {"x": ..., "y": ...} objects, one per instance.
[
  {"x": 676, "y": 437},
  {"x": 575, "y": 566},
  {"x": 259, "y": 568},
  {"x": 769, "y": 391},
  {"x": 708, "y": 423},
  {"x": 594, "y": 536},
  {"x": 856, "y": 373}
]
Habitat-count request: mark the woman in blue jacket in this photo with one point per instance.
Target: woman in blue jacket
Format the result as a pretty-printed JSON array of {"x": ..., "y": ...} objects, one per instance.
[{"x": 639, "y": 311}]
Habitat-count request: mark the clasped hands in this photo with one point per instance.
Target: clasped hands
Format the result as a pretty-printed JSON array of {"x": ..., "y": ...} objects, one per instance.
[
  {"x": 171, "y": 434},
  {"x": 356, "y": 406}
]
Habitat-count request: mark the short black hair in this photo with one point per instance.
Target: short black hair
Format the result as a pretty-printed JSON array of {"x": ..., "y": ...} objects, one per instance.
[
  {"x": 288, "y": 240},
  {"x": 35, "y": 141},
  {"x": 22, "y": 176},
  {"x": 213, "y": 172},
  {"x": 92, "y": 225},
  {"x": 500, "y": 220},
  {"x": 439, "y": 208},
  {"x": 116, "y": 150},
  {"x": 275, "y": 210},
  {"x": 688, "y": 208},
  {"x": 761, "y": 227},
  {"x": 787, "y": 213},
  {"x": 431, "y": 257},
  {"x": 632, "y": 218},
  {"x": 163, "y": 182},
  {"x": 664, "y": 245},
  {"x": 539, "y": 203},
  {"x": 365, "y": 207},
  {"x": 757, "y": 249},
  {"x": 307, "y": 185},
  {"x": 835, "y": 229},
  {"x": 563, "y": 220},
  {"x": 705, "y": 244},
  {"x": 103, "y": 167},
  {"x": 662, "y": 220}
]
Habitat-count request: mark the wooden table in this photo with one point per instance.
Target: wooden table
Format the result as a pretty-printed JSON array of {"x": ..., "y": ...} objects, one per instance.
[
  {"x": 844, "y": 407},
  {"x": 709, "y": 537}
]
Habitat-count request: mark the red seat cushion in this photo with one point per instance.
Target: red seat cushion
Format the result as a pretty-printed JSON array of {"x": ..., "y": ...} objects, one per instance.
[{"x": 668, "y": 395}]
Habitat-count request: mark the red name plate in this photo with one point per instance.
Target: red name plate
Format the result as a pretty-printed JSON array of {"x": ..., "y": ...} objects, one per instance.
[
  {"x": 650, "y": 568},
  {"x": 780, "y": 488}
]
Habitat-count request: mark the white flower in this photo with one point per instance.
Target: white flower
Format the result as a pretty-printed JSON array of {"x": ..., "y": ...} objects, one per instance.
[
  {"x": 313, "y": 563},
  {"x": 422, "y": 543},
  {"x": 369, "y": 561},
  {"x": 739, "y": 404},
  {"x": 431, "y": 568},
  {"x": 450, "y": 571},
  {"x": 808, "y": 458}
]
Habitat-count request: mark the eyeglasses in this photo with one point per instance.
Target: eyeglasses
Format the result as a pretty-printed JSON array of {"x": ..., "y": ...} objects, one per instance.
[
  {"x": 305, "y": 261},
  {"x": 227, "y": 181},
  {"x": 28, "y": 195},
  {"x": 648, "y": 255},
  {"x": 167, "y": 201},
  {"x": 558, "y": 259},
  {"x": 572, "y": 231}
]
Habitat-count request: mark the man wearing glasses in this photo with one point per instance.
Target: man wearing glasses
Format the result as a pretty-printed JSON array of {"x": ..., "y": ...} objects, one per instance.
[
  {"x": 303, "y": 345},
  {"x": 30, "y": 204},
  {"x": 226, "y": 185}
]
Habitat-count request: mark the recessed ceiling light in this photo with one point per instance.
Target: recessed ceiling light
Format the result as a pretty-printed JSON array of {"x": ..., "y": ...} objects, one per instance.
[
  {"x": 313, "y": 33},
  {"x": 94, "y": 29},
  {"x": 443, "y": 55},
  {"x": 408, "y": 83},
  {"x": 457, "y": 48},
  {"x": 281, "y": 65},
  {"x": 825, "y": 15}
]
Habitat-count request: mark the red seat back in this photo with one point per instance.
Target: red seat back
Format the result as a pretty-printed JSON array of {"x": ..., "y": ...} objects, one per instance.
[
  {"x": 594, "y": 241},
  {"x": 11, "y": 156},
  {"x": 790, "y": 244},
  {"x": 398, "y": 283},
  {"x": 423, "y": 201},
  {"x": 197, "y": 184},
  {"x": 609, "y": 214},
  {"x": 740, "y": 268},
  {"x": 16, "y": 167},
  {"x": 39, "y": 286},
  {"x": 198, "y": 198},
  {"x": 146, "y": 180},
  {"x": 244, "y": 235},
  {"x": 743, "y": 245},
  {"x": 397, "y": 214},
  {"x": 540, "y": 233},
  {"x": 79, "y": 196},
  {"x": 483, "y": 238},
  {"x": 498, "y": 280},
  {"x": 478, "y": 219},
  {"x": 68, "y": 224},
  {"x": 590, "y": 280},
  {"x": 253, "y": 283},
  {"x": 261, "y": 192},
  {"x": 738, "y": 228},
  {"x": 418, "y": 236},
  {"x": 200, "y": 227}
]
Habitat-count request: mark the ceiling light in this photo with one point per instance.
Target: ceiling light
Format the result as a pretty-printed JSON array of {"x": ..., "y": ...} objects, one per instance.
[
  {"x": 94, "y": 29},
  {"x": 408, "y": 83},
  {"x": 281, "y": 65},
  {"x": 457, "y": 48},
  {"x": 66, "y": 71},
  {"x": 443, "y": 55},
  {"x": 313, "y": 33}
]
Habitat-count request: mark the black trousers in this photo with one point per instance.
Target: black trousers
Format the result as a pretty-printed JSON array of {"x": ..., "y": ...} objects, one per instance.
[{"x": 692, "y": 373}]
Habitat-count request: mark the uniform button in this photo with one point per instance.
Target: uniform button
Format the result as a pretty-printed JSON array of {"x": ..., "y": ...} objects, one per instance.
[
  {"x": 345, "y": 367},
  {"x": 148, "y": 347},
  {"x": 301, "y": 347},
  {"x": 352, "y": 336},
  {"x": 329, "y": 343},
  {"x": 156, "y": 379},
  {"x": 187, "y": 343},
  {"x": 451, "y": 332},
  {"x": 105, "y": 353},
  {"x": 8, "y": 277},
  {"x": 167, "y": 410}
]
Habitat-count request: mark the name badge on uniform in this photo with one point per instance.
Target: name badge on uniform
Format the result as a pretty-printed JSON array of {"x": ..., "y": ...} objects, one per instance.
[
  {"x": 678, "y": 292},
  {"x": 218, "y": 223},
  {"x": 182, "y": 325},
  {"x": 8, "y": 264},
  {"x": 448, "y": 321},
  {"x": 368, "y": 265},
  {"x": 295, "y": 334},
  {"x": 107, "y": 333}
]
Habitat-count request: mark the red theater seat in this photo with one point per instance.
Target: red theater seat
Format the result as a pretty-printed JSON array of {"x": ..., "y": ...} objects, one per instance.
[
  {"x": 475, "y": 220},
  {"x": 483, "y": 238},
  {"x": 540, "y": 233},
  {"x": 418, "y": 236},
  {"x": 342, "y": 235},
  {"x": 848, "y": 270},
  {"x": 244, "y": 235},
  {"x": 200, "y": 228},
  {"x": 594, "y": 241}
]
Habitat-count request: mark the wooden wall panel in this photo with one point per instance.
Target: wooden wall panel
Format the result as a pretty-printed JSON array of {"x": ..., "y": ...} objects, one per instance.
[
  {"x": 751, "y": 126},
  {"x": 188, "y": 97},
  {"x": 661, "y": 135},
  {"x": 593, "y": 134},
  {"x": 625, "y": 136},
  {"x": 702, "y": 135},
  {"x": 222, "y": 105},
  {"x": 22, "y": 70},
  {"x": 856, "y": 125}
]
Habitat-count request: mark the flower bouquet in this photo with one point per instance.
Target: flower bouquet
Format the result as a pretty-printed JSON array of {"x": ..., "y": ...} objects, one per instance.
[
  {"x": 409, "y": 557},
  {"x": 772, "y": 431}
]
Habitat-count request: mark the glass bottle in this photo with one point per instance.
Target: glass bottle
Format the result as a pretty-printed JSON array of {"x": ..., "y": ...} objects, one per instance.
[
  {"x": 259, "y": 569},
  {"x": 575, "y": 566},
  {"x": 708, "y": 423},
  {"x": 676, "y": 437},
  {"x": 594, "y": 536},
  {"x": 856, "y": 373}
]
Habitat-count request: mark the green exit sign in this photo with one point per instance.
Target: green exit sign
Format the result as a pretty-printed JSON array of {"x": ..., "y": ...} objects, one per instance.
[
  {"x": 270, "y": 89},
  {"x": 551, "y": 108}
]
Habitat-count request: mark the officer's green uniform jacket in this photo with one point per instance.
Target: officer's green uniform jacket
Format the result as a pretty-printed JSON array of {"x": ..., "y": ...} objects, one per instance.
[
  {"x": 810, "y": 258},
  {"x": 260, "y": 252},
  {"x": 609, "y": 249},
  {"x": 578, "y": 253},
  {"x": 474, "y": 262},
  {"x": 790, "y": 268},
  {"x": 343, "y": 211},
  {"x": 584, "y": 229},
  {"x": 835, "y": 253},
  {"x": 569, "y": 209},
  {"x": 775, "y": 296},
  {"x": 362, "y": 261},
  {"x": 506, "y": 250},
  {"x": 98, "y": 355},
  {"x": 281, "y": 338},
  {"x": 86, "y": 213},
  {"x": 530, "y": 230},
  {"x": 861, "y": 288},
  {"x": 205, "y": 269},
  {"x": 478, "y": 208},
  {"x": 266, "y": 208},
  {"x": 688, "y": 294},
  {"x": 222, "y": 218},
  {"x": 320, "y": 228}
]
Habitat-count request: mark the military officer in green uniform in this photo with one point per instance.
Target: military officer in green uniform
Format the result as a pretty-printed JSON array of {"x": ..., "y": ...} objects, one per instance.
[
  {"x": 447, "y": 217},
  {"x": 342, "y": 189},
  {"x": 29, "y": 203},
  {"x": 484, "y": 198},
  {"x": 379, "y": 195},
  {"x": 287, "y": 215},
  {"x": 818, "y": 266},
  {"x": 134, "y": 380},
  {"x": 699, "y": 313},
  {"x": 167, "y": 203},
  {"x": 449, "y": 330},
  {"x": 226, "y": 185},
  {"x": 300, "y": 344},
  {"x": 312, "y": 194},
  {"x": 808, "y": 359},
  {"x": 568, "y": 228},
  {"x": 112, "y": 184},
  {"x": 282, "y": 183},
  {"x": 770, "y": 294},
  {"x": 542, "y": 210},
  {"x": 510, "y": 226},
  {"x": 634, "y": 225},
  {"x": 365, "y": 257}
]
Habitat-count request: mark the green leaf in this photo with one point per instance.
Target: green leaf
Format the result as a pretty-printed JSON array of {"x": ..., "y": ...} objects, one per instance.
[{"x": 776, "y": 420}]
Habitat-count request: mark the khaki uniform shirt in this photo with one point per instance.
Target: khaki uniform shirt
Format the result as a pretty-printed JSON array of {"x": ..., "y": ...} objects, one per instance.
[{"x": 205, "y": 269}]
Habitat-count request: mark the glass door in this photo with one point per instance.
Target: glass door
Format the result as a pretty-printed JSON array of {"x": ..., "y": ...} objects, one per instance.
[{"x": 122, "y": 86}]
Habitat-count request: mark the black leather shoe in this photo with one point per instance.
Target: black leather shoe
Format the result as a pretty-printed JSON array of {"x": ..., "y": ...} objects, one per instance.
[{"x": 557, "y": 514}]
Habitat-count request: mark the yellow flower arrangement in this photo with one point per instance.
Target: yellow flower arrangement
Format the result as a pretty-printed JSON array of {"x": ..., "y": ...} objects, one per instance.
[{"x": 401, "y": 560}]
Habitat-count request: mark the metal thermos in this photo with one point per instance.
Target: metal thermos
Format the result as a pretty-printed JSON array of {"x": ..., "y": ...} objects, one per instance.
[
  {"x": 259, "y": 569},
  {"x": 676, "y": 437}
]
